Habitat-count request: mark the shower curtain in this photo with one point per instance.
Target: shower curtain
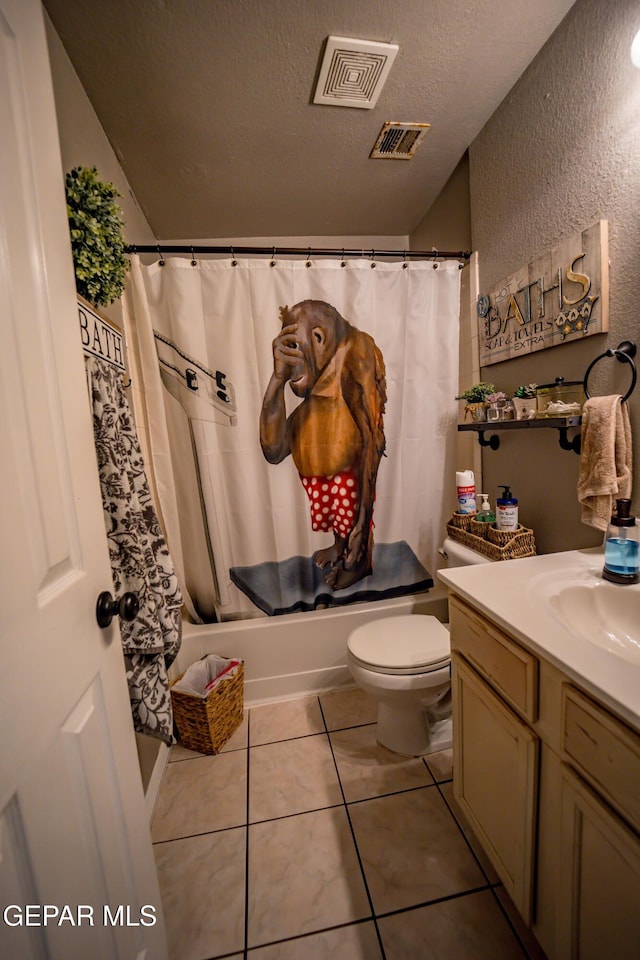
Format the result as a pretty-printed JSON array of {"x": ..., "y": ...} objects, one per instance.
[{"x": 202, "y": 336}]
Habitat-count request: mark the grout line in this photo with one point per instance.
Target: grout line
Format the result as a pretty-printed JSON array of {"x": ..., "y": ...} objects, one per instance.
[
  {"x": 395, "y": 793},
  {"x": 297, "y": 813},
  {"x": 464, "y": 836},
  {"x": 205, "y": 756},
  {"x": 431, "y": 903},
  {"x": 505, "y": 914},
  {"x": 204, "y": 833},
  {"x": 246, "y": 850},
  {"x": 303, "y": 736},
  {"x": 355, "y": 842},
  {"x": 311, "y": 933}
]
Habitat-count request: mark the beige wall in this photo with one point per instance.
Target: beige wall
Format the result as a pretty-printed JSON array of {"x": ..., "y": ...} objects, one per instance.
[
  {"x": 562, "y": 151},
  {"x": 83, "y": 143},
  {"x": 447, "y": 225}
]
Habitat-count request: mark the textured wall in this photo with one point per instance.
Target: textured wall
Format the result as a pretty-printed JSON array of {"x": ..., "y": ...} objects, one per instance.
[
  {"x": 561, "y": 151},
  {"x": 447, "y": 225}
]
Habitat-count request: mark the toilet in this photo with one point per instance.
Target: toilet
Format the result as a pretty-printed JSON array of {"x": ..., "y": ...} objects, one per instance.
[{"x": 405, "y": 664}]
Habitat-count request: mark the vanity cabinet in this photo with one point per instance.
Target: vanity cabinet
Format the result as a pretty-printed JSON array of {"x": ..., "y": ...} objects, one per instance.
[
  {"x": 549, "y": 780},
  {"x": 495, "y": 778}
]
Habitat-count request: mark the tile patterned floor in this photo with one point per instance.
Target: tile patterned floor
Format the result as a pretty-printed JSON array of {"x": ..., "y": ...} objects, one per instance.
[{"x": 304, "y": 838}]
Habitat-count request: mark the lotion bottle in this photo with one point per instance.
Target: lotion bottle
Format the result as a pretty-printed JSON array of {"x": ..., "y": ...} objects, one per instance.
[{"x": 506, "y": 510}]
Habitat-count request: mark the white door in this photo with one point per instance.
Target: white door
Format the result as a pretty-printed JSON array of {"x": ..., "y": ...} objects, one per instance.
[{"x": 73, "y": 829}]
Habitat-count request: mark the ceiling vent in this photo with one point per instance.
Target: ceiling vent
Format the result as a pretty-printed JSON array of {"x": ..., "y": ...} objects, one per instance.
[
  {"x": 398, "y": 141},
  {"x": 353, "y": 72}
]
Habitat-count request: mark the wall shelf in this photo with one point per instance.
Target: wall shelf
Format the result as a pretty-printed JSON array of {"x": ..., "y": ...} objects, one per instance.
[{"x": 561, "y": 424}]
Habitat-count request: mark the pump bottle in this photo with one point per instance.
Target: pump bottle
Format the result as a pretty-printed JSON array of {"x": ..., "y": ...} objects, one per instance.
[
  {"x": 486, "y": 514},
  {"x": 506, "y": 510},
  {"x": 622, "y": 549}
]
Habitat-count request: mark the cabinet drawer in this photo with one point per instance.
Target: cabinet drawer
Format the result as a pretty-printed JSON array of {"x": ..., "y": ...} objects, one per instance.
[
  {"x": 605, "y": 751},
  {"x": 510, "y": 669}
]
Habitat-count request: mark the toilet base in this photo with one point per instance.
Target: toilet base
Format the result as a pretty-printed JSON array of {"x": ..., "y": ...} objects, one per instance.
[{"x": 408, "y": 732}]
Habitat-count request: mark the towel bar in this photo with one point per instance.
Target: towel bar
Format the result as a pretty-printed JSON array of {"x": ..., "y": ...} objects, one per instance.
[{"x": 624, "y": 353}]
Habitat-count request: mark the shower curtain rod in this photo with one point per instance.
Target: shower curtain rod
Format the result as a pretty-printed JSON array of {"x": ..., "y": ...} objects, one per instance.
[{"x": 160, "y": 248}]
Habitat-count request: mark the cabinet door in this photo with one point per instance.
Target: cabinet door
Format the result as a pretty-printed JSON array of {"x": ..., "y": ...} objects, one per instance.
[
  {"x": 598, "y": 914},
  {"x": 495, "y": 775}
]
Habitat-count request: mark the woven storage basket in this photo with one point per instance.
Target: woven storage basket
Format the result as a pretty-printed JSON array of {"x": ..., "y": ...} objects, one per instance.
[
  {"x": 518, "y": 543},
  {"x": 205, "y": 724},
  {"x": 462, "y": 520},
  {"x": 502, "y": 537},
  {"x": 479, "y": 529}
]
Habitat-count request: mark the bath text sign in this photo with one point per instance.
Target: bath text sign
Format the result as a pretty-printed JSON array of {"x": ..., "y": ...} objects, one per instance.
[
  {"x": 560, "y": 296},
  {"x": 99, "y": 337}
]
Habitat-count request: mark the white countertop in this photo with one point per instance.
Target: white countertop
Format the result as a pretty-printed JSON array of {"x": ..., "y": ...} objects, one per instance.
[{"x": 512, "y": 593}]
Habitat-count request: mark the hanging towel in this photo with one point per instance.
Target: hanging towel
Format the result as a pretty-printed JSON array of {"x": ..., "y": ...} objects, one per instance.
[
  {"x": 605, "y": 460},
  {"x": 140, "y": 560}
]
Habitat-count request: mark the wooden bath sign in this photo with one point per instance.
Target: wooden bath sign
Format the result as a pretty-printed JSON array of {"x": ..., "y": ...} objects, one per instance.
[
  {"x": 100, "y": 337},
  {"x": 562, "y": 295}
]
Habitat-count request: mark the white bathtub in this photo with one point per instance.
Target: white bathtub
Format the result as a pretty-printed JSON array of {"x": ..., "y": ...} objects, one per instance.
[{"x": 299, "y": 653}]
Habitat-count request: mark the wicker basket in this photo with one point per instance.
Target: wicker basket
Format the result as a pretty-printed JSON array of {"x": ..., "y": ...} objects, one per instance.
[
  {"x": 502, "y": 537},
  {"x": 462, "y": 520},
  {"x": 206, "y": 724},
  {"x": 479, "y": 529},
  {"x": 514, "y": 544}
]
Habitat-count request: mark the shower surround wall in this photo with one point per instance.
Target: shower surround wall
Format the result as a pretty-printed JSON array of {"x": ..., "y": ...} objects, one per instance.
[
  {"x": 559, "y": 153},
  {"x": 298, "y": 653}
]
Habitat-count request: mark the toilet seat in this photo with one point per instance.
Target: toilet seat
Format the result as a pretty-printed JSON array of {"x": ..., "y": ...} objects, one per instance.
[{"x": 409, "y": 644}]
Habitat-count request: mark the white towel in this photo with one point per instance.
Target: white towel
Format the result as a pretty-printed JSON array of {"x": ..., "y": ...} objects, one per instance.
[{"x": 605, "y": 459}]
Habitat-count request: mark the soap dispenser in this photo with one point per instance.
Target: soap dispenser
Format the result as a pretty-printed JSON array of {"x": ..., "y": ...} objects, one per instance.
[
  {"x": 622, "y": 547},
  {"x": 486, "y": 514}
]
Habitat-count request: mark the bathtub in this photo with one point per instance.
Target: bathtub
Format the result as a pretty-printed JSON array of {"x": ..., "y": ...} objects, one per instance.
[{"x": 300, "y": 653}]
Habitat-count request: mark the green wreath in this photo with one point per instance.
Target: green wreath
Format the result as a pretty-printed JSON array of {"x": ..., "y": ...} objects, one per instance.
[{"x": 97, "y": 241}]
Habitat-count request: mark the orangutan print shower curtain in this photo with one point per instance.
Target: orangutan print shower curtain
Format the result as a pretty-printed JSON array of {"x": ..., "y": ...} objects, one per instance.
[{"x": 301, "y": 424}]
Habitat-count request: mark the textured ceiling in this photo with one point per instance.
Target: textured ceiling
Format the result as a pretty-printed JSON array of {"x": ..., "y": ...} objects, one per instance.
[{"x": 208, "y": 105}]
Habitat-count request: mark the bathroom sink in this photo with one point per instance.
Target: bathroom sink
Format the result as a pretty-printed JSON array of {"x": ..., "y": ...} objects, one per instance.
[{"x": 602, "y": 613}]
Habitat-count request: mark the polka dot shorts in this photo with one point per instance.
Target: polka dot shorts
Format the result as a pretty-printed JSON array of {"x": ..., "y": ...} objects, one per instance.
[{"x": 334, "y": 501}]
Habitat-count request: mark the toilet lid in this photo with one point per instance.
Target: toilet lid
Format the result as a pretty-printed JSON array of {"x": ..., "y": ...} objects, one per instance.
[{"x": 408, "y": 644}]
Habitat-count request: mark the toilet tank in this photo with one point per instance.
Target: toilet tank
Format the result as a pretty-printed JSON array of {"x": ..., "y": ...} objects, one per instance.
[{"x": 457, "y": 555}]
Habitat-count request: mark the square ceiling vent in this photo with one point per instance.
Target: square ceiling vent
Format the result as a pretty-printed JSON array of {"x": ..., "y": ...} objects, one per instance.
[
  {"x": 398, "y": 141},
  {"x": 353, "y": 72}
]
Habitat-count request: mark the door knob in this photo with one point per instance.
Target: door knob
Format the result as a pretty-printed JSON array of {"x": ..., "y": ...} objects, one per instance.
[{"x": 107, "y": 608}]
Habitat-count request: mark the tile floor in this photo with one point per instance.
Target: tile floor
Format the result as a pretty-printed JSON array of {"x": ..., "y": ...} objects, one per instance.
[{"x": 304, "y": 839}]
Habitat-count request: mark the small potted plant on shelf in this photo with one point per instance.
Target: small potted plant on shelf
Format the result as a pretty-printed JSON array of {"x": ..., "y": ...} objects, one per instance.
[
  {"x": 476, "y": 397},
  {"x": 524, "y": 401},
  {"x": 497, "y": 406}
]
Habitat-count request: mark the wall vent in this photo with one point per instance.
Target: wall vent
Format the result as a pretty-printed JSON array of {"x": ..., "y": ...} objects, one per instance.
[
  {"x": 398, "y": 141},
  {"x": 353, "y": 72}
]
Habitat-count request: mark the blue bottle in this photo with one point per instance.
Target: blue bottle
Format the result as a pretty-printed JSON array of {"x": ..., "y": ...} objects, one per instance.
[{"x": 622, "y": 549}]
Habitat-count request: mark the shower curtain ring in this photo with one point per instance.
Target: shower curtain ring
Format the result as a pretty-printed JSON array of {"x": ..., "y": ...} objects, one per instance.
[
  {"x": 273, "y": 258},
  {"x": 234, "y": 262},
  {"x": 404, "y": 260},
  {"x": 373, "y": 262},
  {"x": 161, "y": 260},
  {"x": 308, "y": 263},
  {"x": 343, "y": 262},
  {"x": 194, "y": 262}
]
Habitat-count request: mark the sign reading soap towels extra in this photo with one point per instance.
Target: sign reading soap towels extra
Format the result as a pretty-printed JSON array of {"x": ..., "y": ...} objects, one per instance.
[{"x": 560, "y": 296}]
